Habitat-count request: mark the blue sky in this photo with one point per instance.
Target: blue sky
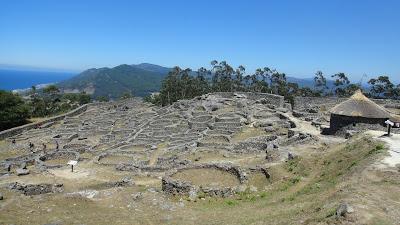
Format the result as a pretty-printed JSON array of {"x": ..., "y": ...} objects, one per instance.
[{"x": 297, "y": 37}]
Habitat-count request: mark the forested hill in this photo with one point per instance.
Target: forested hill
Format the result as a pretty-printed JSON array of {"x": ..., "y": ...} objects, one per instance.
[{"x": 139, "y": 80}]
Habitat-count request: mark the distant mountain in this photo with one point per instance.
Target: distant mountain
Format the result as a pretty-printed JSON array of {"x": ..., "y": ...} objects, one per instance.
[
  {"x": 308, "y": 82},
  {"x": 140, "y": 80},
  {"x": 153, "y": 68}
]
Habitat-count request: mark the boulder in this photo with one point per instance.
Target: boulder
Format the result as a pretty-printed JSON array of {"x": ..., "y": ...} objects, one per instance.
[
  {"x": 263, "y": 123},
  {"x": 290, "y": 156},
  {"x": 297, "y": 113},
  {"x": 21, "y": 172},
  {"x": 284, "y": 110},
  {"x": 344, "y": 209},
  {"x": 290, "y": 133},
  {"x": 269, "y": 129},
  {"x": 192, "y": 195},
  {"x": 137, "y": 196},
  {"x": 36, "y": 189}
]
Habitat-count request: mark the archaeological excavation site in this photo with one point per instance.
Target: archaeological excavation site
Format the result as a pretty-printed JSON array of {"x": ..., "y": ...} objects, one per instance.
[{"x": 234, "y": 158}]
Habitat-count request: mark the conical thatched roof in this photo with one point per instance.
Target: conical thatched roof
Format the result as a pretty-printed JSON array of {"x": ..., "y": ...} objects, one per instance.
[{"x": 360, "y": 106}]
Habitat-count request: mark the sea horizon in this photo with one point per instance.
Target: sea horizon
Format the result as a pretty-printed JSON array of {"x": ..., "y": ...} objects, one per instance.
[{"x": 14, "y": 79}]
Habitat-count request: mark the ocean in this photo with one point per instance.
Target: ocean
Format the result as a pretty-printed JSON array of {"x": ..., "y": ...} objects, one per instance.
[{"x": 18, "y": 79}]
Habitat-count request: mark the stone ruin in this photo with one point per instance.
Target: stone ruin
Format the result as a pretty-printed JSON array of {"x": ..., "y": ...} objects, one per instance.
[
  {"x": 144, "y": 139},
  {"x": 317, "y": 111}
]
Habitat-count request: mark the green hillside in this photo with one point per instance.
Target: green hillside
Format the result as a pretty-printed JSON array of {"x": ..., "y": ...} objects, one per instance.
[{"x": 140, "y": 80}]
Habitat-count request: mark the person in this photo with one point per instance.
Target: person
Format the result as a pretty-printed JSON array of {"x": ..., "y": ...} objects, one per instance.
[
  {"x": 44, "y": 148},
  {"x": 57, "y": 146},
  {"x": 13, "y": 141},
  {"x": 31, "y": 146}
]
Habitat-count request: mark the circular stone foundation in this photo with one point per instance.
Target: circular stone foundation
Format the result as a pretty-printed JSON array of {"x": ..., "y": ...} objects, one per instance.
[
  {"x": 115, "y": 159},
  {"x": 220, "y": 180},
  {"x": 258, "y": 180},
  {"x": 210, "y": 177},
  {"x": 57, "y": 159}
]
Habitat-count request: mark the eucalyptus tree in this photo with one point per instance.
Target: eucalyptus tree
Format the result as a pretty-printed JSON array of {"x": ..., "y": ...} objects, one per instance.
[
  {"x": 341, "y": 81},
  {"x": 381, "y": 86},
  {"x": 320, "y": 82}
]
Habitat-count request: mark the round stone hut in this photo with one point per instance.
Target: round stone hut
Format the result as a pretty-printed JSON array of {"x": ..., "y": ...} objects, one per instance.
[{"x": 357, "y": 109}]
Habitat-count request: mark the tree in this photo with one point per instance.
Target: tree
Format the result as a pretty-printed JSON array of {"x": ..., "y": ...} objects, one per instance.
[
  {"x": 320, "y": 82},
  {"x": 33, "y": 91},
  {"x": 83, "y": 98},
  {"x": 13, "y": 110},
  {"x": 381, "y": 86},
  {"x": 341, "y": 81},
  {"x": 222, "y": 76},
  {"x": 350, "y": 89},
  {"x": 51, "y": 89},
  {"x": 278, "y": 83},
  {"x": 103, "y": 98},
  {"x": 396, "y": 92},
  {"x": 126, "y": 95}
]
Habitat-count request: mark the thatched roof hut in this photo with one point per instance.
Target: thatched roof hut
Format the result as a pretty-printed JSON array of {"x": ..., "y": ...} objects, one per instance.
[
  {"x": 360, "y": 106},
  {"x": 357, "y": 109}
]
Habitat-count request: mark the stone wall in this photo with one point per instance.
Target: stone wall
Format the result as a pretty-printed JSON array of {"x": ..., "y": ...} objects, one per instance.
[
  {"x": 302, "y": 103},
  {"x": 339, "y": 121},
  {"x": 17, "y": 130},
  {"x": 276, "y": 100}
]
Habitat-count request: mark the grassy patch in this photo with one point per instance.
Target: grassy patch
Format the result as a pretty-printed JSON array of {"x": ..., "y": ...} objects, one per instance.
[{"x": 248, "y": 132}]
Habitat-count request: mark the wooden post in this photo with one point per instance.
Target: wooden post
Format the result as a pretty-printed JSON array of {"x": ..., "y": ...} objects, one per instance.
[
  {"x": 389, "y": 125},
  {"x": 72, "y": 163}
]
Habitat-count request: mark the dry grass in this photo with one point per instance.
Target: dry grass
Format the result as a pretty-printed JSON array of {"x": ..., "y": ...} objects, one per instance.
[
  {"x": 247, "y": 132},
  {"x": 306, "y": 190},
  {"x": 207, "y": 177}
]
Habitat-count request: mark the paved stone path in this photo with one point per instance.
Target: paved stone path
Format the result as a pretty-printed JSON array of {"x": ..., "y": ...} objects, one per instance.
[{"x": 393, "y": 142}]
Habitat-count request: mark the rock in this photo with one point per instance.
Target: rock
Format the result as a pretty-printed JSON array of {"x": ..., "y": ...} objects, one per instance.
[
  {"x": 36, "y": 189},
  {"x": 309, "y": 119},
  {"x": 253, "y": 189},
  {"x": 21, "y": 172},
  {"x": 284, "y": 110},
  {"x": 192, "y": 195},
  {"x": 290, "y": 156},
  {"x": 271, "y": 106},
  {"x": 290, "y": 133},
  {"x": 153, "y": 147},
  {"x": 344, "y": 209},
  {"x": 8, "y": 167},
  {"x": 241, "y": 189},
  {"x": 137, "y": 196},
  {"x": 269, "y": 129},
  {"x": 287, "y": 106},
  {"x": 312, "y": 110},
  {"x": 1, "y": 196},
  {"x": 297, "y": 113},
  {"x": 350, "y": 133},
  {"x": 263, "y": 123},
  {"x": 23, "y": 165},
  {"x": 85, "y": 194}
]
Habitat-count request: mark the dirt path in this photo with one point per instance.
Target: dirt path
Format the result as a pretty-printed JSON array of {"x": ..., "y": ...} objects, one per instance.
[
  {"x": 393, "y": 142},
  {"x": 306, "y": 127},
  {"x": 303, "y": 126}
]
